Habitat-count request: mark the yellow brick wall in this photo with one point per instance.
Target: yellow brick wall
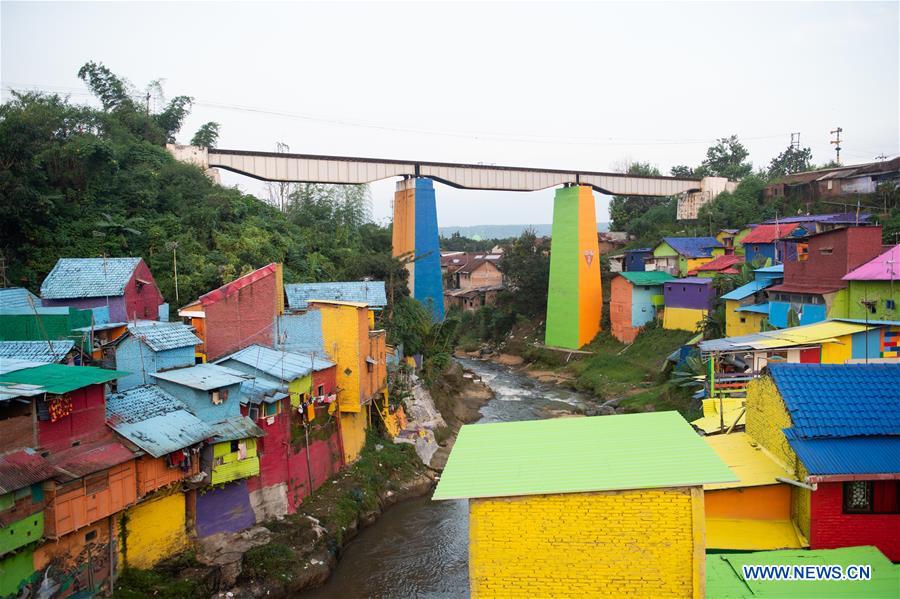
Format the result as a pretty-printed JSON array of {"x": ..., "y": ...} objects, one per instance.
[
  {"x": 155, "y": 530},
  {"x": 766, "y": 416},
  {"x": 800, "y": 503},
  {"x": 643, "y": 543},
  {"x": 682, "y": 319}
]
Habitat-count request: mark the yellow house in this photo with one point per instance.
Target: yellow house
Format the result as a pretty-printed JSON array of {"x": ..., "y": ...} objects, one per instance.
[
  {"x": 606, "y": 506},
  {"x": 361, "y": 357}
]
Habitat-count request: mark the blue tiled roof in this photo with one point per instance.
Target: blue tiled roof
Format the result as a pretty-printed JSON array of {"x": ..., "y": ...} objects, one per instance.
[
  {"x": 15, "y": 299},
  {"x": 831, "y": 400},
  {"x": 36, "y": 351},
  {"x": 281, "y": 365},
  {"x": 154, "y": 420},
  {"x": 88, "y": 277},
  {"x": 160, "y": 336},
  {"x": 367, "y": 292},
  {"x": 848, "y": 455},
  {"x": 693, "y": 247},
  {"x": 747, "y": 290}
]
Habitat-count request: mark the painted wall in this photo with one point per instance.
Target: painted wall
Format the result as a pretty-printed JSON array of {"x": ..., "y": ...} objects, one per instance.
[
  {"x": 831, "y": 528},
  {"x": 620, "y": 310},
  {"x": 645, "y": 543},
  {"x": 644, "y": 299},
  {"x": 116, "y": 305},
  {"x": 154, "y": 473},
  {"x": 766, "y": 417},
  {"x": 232, "y": 467},
  {"x": 353, "y": 434},
  {"x": 86, "y": 423},
  {"x": 16, "y": 571},
  {"x": 635, "y": 261},
  {"x": 79, "y": 562},
  {"x": 766, "y": 502},
  {"x": 21, "y": 532},
  {"x": 135, "y": 357},
  {"x": 301, "y": 332},
  {"x": 200, "y": 404},
  {"x": 416, "y": 234},
  {"x": 682, "y": 319},
  {"x": 834, "y": 254},
  {"x": 741, "y": 323},
  {"x": 243, "y": 317},
  {"x": 689, "y": 295},
  {"x": 345, "y": 331},
  {"x": 224, "y": 509},
  {"x": 760, "y": 251},
  {"x": 574, "y": 298},
  {"x": 155, "y": 530},
  {"x": 70, "y": 507},
  {"x": 28, "y": 327},
  {"x": 879, "y": 292},
  {"x": 809, "y": 313}
]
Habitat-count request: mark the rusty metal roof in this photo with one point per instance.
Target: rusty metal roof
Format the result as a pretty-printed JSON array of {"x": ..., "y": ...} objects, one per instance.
[
  {"x": 21, "y": 469},
  {"x": 77, "y": 462}
]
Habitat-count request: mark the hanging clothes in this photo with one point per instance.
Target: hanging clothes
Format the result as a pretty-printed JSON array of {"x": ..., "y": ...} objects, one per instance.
[
  {"x": 311, "y": 412},
  {"x": 242, "y": 450}
]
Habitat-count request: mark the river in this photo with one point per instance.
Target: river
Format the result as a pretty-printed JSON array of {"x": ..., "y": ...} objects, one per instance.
[{"x": 419, "y": 548}]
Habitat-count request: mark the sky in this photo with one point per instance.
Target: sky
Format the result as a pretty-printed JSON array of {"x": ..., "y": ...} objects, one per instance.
[{"x": 577, "y": 86}]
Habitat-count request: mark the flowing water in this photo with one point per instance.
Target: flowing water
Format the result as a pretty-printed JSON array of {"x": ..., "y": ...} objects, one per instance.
[{"x": 419, "y": 548}]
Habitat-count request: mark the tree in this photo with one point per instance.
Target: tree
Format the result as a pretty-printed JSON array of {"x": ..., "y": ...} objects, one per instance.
[
  {"x": 683, "y": 171},
  {"x": 727, "y": 158},
  {"x": 112, "y": 91},
  {"x": 207, "y": 135},
  {"x": 625, "y": 209},
  {"x": 527, "y": 271},
  {"x": 735, "y": 209},
  {"x": 792, "y": 160}
]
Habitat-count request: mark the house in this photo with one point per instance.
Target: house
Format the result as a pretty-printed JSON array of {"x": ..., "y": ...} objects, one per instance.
[
  {"x": 213, "y": 394},
  {"x": 726, "y": 238},
  {"x": 371, "y": 293},
  {"x": 725, "y": 574},
  {"x": 819, "y": 223},
  {"x": 40, "y": 351},
  {"x": 150, "y": 347},
  {"x": 124, "y": 285},
  {"x": 570, "y": 512},
  {"x": 837, "y": 428},
  {"x": 360, "y": 353},
  {"x": 754, "y": 512},
  {"x": 762, "y": 244},
  {"x": 301, "y": 333},
  {"x": 239, "y": 313},
  {"x": 170, "y": 438},
  {"x": 873, "y": 289},
  {"x": 479, "y": 270},
  {"x": 290, "y": 393},
  {"x": 687, "y": 302},
  {"x": 42, "y": 324},
  {"x": 636, "y": 260},
  {"x": 616, "y": 262},
  {"x": 723, "y": 265},
  {"x": 747, "y": 307},
  {"x": 471, "y": 280},
  {"x": 680, "y": 255},
  {"x": 689, "y": 203},
  {"x": 836, "y": 181},
  {"x": 813, "y": 287},
  {"x": 610, "y": 241},
  {"x": 472, "y": 299},
  {"x": 635, "y": 298},
  {"x": 18, "y": 299}
]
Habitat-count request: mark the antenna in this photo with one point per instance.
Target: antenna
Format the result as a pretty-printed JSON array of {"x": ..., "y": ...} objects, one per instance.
[
  {"x": 795, "y": 140},
  {"x": 837, "y": 143}
]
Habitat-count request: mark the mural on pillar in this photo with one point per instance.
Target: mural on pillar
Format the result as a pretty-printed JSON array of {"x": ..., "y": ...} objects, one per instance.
[
  {"x": 574, "y": 300},
  {"x": 416, "y": 234}
]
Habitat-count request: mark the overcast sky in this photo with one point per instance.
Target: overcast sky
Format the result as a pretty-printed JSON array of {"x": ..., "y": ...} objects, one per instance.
[{"x": 545, "y": 84}]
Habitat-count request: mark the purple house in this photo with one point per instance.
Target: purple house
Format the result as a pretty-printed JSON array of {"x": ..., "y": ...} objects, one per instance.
[{"x": 693, "y": 292}]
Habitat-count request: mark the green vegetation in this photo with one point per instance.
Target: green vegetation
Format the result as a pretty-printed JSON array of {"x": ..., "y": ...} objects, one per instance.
[
  {"x": 163, "y": 580},
  {"x": 272, "y": 560}
]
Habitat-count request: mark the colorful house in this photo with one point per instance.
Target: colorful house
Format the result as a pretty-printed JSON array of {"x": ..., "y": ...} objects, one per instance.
[
  {"x": 837, "y": 428},
  {"x": 150, "y": 347},
  {"x": 747, "y": 307},
  {"x": 371, "y": 293},
  {"x": 725, "y": 574},
  {"x": 754, "y": 512},
  {"x": 239, "y": 313},
  {"x": 635, "y": 298},
  {"x": 873, "y": 289},
  {"x": 636, "y": 260},
  {"x": 301, "y": 333},
  {"x": 41, "y": 324},
  {"x": 687, "y": 302},
  {"x": 680, "y": 255},
  {"x": 361, "y": 358},
  {"x": 729, "y": 264},
  {"x": 170, "y": 438},
  {"x": 813, "y": 287},
  {"x": 726, "y": 238},
  {"x": 125, "y": 285},
  {"x": 630, "y": 492},
  {"x": 762, "y": 243}
]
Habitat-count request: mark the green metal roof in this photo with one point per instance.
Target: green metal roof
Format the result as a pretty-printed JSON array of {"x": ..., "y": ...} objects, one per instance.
[
  {"x": 576, "y": 455},
  {"x": 652, "y": 277},
  {"x": 59, "y": 378},
  {"x": 724, "y": 574}
]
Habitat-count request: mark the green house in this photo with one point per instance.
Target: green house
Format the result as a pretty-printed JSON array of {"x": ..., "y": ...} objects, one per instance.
[{"x": 873, "y": 289}]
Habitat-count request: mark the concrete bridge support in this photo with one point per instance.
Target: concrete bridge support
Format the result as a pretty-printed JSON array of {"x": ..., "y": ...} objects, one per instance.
[
  {"x": 574, "y": 299},
  {"x": 415, "y": 240}
]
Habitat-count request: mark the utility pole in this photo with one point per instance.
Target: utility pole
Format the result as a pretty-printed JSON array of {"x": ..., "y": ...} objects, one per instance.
[
  {"x": 837, "y": 143},
  {"x": 795, "y": 140},
  {"x": 148, "y": 102},
  {"x": 173, "y": 245}
]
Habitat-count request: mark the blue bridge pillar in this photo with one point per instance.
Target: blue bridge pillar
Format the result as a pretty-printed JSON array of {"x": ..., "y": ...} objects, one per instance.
[{"x": 415, "y": 240}]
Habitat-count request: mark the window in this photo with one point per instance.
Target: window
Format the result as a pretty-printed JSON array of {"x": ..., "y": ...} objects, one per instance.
[
  {"x": 743, "y": 319},
  {"x": 320, "y": 390},
  {"x": 826, "y": 251},
  {"x": 271, "y": 409},
  {"x": 218, "y": 396},
  {"x": 90, "y": 536},
  {"x": 234, "y": 446},
  {"x": 872, "y": 497}
]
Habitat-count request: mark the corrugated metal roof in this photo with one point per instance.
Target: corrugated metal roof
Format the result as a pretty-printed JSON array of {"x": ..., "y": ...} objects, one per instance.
[
  {"x": 885, "y": 267},
  {"x": 809, "y": 334},
  {"x": 17, "y": 299},
  {"x": 721, "y": 263},
  {"x": 811, "y": 289},
  {"x": 235, "y": 428},
  {"x": 848, "y": 455},
  {"x": 154, "y": 420},
  {"x": 36, "y": 351},
  {"x": 21, "y": 469},
  {"x": 13, "y": 364},
  {"x": 238, "y": 284},
  {"x": 755, "y": 308},
  {"x": 80, "y": 461},
  {"x": 768, "y": 233},
  {"x": 161, "y": 336},
  {"x": 725, "y": 580},
  {"x": 840, "y": 400},
  {"x": 203, "y": 376},
  {"x": 574, "y": 455},
  {"x": 691, "y": 281},
  {"x": 262, "y": 390},
  {"x": 747, "y": 290},
  {"x": 367, "y": 292},
  {"x": 778, "y": 268},
  {"x": 646, "y": 277},
  {"x": 302, "y": 332},
  {"x": 58, "y": 378},
  {"x": 749, "y": 461},
  {"x": 282, "y": 365},
  {"x": 693, "y": 247},
  {"x": 88, "y": 277}
]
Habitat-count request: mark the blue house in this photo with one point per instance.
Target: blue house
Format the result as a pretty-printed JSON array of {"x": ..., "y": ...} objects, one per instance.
[
  {"x": 636, "y": 260},
  {"x": 151, "y": 347},
  {"x": 211, "y": 392}
]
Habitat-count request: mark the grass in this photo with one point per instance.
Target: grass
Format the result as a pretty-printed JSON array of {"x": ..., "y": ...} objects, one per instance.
[
  {"x": 270, "y": 561},
  {"x": 137, "y": 584}
]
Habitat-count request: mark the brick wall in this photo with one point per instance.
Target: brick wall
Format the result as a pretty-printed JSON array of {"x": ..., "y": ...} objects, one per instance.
[
  {"x": 831, "y": 528},
  {"x": 241, "y": 318},
  {"x": 616, "y": 544},
  {"x": 766, "y": 416}
]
